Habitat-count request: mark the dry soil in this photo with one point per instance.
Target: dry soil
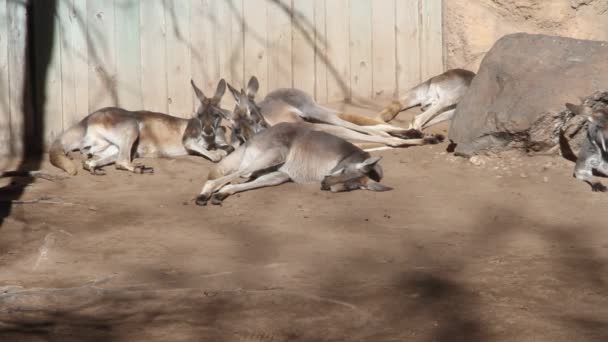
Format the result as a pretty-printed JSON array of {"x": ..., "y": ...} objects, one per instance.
[{"x": 509, "y": 248}]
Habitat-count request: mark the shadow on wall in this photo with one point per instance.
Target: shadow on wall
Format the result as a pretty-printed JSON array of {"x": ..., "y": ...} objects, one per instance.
[{"x": 40, "y": 27}]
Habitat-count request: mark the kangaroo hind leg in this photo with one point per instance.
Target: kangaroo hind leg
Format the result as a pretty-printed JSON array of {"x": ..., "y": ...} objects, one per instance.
[
  {"x": 269, "y": 179},
  {"x": 265, "y": 161}
]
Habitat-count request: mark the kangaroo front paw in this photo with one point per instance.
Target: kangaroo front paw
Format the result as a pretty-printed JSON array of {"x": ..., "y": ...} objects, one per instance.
[
  {"x": 142, "y": 169},
  {"x": 90, "y": 166},
  {"x": 598, "y": 187}
]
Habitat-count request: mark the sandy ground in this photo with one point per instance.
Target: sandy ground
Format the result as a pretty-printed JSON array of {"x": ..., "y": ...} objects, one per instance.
[{"x": 513, "y": 249}]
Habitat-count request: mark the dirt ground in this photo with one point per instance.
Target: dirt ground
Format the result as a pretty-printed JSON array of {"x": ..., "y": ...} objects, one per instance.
[{"x": 510, "y": 249}]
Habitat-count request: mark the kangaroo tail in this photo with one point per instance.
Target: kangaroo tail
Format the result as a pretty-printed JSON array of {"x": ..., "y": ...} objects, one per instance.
[
  {"x": 564, "y": 146},
  {"x": 64, "y": 143}
]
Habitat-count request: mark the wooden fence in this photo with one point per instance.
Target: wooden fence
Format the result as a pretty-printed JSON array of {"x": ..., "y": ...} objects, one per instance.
[{"x": 143, "y": 53}]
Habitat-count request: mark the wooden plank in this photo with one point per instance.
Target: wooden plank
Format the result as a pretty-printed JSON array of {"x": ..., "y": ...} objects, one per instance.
[
  {"x": 229, "y": 35},
  {"x": 80, "y": 65},
  {"x": 17, "y": 31},
  {"x": 321, "y": 57},
  {"x": 303, "y": 49},
  {"x": 256, "y": 36},
  {"x": 5, "y": 114},
  {"x": 383, "y": 18},
  {"x": 408, "y": 44},
  {"x": 74, "y": 67},
  {"x": 48, "y": 70},
  {"x": 128, "y": 58},
  {"x": 205, "y": 58},
  {"x": 279, "y": 44},
  {"x": 431, "y": 47},
  {"x": 178, "y": 58},
  {"x": 236, "y": 59},
  {"x": 338, "y": 75},
  {"x": 102, "y": 54},
  {"x": 153, "y": 56},
  {"x": 361, "y": 48}
]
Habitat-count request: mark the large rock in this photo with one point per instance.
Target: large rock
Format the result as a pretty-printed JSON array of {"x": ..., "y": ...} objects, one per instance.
[{"x": 523, "y": 82}]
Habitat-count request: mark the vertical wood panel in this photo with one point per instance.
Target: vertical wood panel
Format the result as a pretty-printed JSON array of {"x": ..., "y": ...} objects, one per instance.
[
  {"x": 17, "y": 31},
  {"x": 128, "y": 58},
  {"x": 102, "y": 54},
  {"x": 153, "y": 58},
  {"x": 320, "y": 52},
  {"x": 74, "y": 61},
  {"x": 142, "y": 54},
  {"x": 383, "y": 18},
  {"x": 236, "y": 62},
  {"x": 256, "y": 37},
  {"x": 279, "y": 44},
  {"x": 408, "y": 44},
  {"x": 361, "y": 47},
  {"x": 205, "y": 59},
  {"x": 303, "y": 49},
  {"x": 178, "y": 58},
  {"x": 431, "y": 43},
  {"x": 48, "y": 72},
  {"x": 80, "y": 42},
  {"x": 5, "y": 114},
  {"x": 338, "y": 75}
]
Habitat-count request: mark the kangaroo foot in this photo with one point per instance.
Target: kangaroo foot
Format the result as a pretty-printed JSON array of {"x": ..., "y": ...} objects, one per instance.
[
  {"x": 218, "y": 198},
  {"x": 598, "y": 187},
  {"x": 407, "y": 134},
  {"x": 201, "y": 200}
]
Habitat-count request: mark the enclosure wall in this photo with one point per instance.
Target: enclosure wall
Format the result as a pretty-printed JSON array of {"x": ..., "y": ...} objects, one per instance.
[{"x": 142, "y": 54}]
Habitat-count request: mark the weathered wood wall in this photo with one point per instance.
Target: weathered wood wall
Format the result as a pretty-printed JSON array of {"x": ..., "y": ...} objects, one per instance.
[{"x": 143, "y": 53}]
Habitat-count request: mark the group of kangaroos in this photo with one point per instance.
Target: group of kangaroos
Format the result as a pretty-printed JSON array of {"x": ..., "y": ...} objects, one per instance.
[{"x": 287, "y": 136}]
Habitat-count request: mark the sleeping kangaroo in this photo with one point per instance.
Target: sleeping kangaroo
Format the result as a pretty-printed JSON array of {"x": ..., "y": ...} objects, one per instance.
[
  {"x": 593, "y": 156},
  {"x": 290, "y": 151},
  {"x": 115, "y": 135},
  {"x": 438, "y": 97},
  {"x": 295, "y": 106}
]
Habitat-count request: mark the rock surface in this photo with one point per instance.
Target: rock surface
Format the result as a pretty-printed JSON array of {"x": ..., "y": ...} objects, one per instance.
[
  {"x": 522, "y": 84},
  {"x": 473, "y": 26}
]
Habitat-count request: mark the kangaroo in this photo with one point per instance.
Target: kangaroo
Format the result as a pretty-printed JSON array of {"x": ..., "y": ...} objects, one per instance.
[
  {"x": 295, "y": 106},
  {"x": 438, "y": 97},
  {"x": 593, "y": 156},
  {"x": 115, "y": 135},
  {"x": 290, "y": 151}
]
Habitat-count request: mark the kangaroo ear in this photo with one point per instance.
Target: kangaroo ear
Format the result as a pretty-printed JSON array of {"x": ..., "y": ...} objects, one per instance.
[
  {"x": 219, "y": 92},
  {"x": 252, "y": 87},
  {"x": 367, "y": 165},
  {"x": 337, "y": 172},
  {"x": 579, "y": 109},
  {"x": 197, "y": 91},
  {"x": 243, "y": 100},
  {"x": 375, "y": 186},
  {"x": 235, "y": 93}
]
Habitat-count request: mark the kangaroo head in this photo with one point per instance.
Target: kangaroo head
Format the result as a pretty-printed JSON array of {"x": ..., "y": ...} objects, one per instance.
[
  {"x": 355, "y": 175},
  {"x": 598, "y": 127},
  {"x": 246, "y": 119},
  {"x": 209, "y": 112}
]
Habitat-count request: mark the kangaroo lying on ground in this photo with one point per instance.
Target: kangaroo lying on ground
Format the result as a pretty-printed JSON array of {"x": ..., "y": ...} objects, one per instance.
[
  {"x": 290, "y": 151},
  {"x": 593, "y": 155},
  {"x": 115, "y": 135},
  {"x": 295, "y": 106},
  {"x": 438, "y": 97}
]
